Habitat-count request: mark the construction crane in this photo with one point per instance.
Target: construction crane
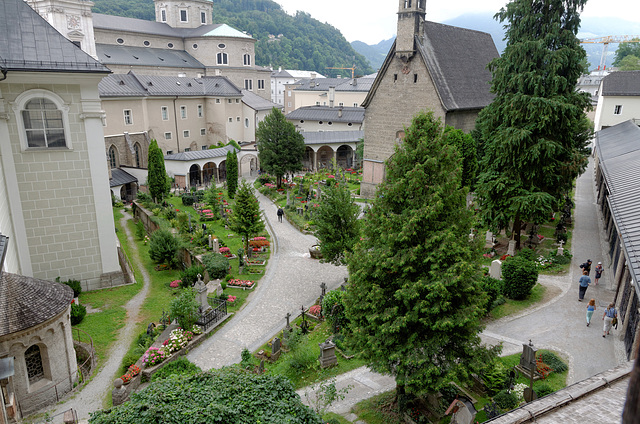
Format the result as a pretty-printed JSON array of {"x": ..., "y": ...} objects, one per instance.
[
  {"x": 609, "y": 39},
  {"x": 353, "y": 70}
]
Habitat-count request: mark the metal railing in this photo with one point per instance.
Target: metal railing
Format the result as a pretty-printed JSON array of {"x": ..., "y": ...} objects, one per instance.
[{"x": 216, "y": 314}]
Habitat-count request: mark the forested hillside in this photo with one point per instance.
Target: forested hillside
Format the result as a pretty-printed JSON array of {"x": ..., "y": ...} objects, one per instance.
[{"x": 293, "y": 42}]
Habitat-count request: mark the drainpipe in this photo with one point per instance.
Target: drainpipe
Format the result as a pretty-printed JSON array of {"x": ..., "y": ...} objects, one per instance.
[{"x": 175, "y": 117}]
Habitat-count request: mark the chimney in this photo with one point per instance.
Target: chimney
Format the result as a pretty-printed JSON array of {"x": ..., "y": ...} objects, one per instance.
[
  {"x": 313, "y": 75},
  {"x": 332, "y": 95},
  {"x": 340, "y": 112}
]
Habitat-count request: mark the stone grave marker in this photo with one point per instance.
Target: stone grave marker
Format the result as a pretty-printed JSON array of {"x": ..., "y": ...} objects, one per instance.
[
  {"x": 560, "y": 249},
  {"x": 275, "y": 349},
  {"x": 327, "y": 356},
  {"x": 511, "y": 251},
  {"x": 261, "y": 367},
  {"x": 288, "y": 326},
  {"x": 488, "y": 240},
  {"x": 215, "y": 245},
  {"x": 495, "y": 270},
  {"x": 201, "y": 295}
]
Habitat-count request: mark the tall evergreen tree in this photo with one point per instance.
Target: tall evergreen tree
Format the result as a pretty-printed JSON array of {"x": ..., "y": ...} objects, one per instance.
[
  {"x": 535, "y": 132},
  {"x": 413, "y": 299},
  {"x": 157, "y": 180},
  {"x": 280, "y": 146},
  {"x": 246, "y": 218},
  {"x": 232, "y": 173}
]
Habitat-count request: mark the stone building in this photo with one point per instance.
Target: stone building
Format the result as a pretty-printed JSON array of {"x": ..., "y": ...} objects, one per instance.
[
  {"x": 430, "y": 66},
  {"x": 283, "y": 77},
  {"x": 54, "y": 190},
  {"x": 618, "y": 99},
  {"x": 346, "y": 92}
]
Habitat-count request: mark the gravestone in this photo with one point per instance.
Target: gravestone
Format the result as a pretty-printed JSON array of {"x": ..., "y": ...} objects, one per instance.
[
  {"x": 201, "y": 295},
  {"x": 215, "y": 286},
  {"x": 319, "y": 192},
  {"x": 261, "y": 367},
  {"x": 215, "y": 245},
  {"x": 210, "y": 241},
  {"x": 560, "y": 249},
  {"x": 495, "y": 270},
  {"x": 327, "y": 356},
  {"x": 511, "y": 251},
  {"x": 288, "y": 326},
  {"x": 463, "y": 411},
  {"x": 488, "y": 240},
  {"x": 528, "y": 357},
  {"x": 275, "y": 349}
]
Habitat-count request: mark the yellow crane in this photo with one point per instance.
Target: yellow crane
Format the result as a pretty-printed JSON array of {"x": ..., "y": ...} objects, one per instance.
[
  {"x": 353, "y": 70},
  {"x": 609, "y": 39}
]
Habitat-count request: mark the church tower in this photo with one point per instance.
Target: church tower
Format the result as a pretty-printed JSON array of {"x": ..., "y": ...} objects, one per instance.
[
  {"x": 410, "y": 24},
  {"x": 184, "y": 13}
]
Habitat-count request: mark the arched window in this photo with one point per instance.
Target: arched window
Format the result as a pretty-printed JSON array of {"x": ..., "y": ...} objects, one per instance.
[
  {"x": 222, "y": 58},
  {"x": 136, "y": 149},
  {"x": 247, "y": 59},
  {"x": 43, "y": 120},
  {"x": 113, "y": 162},
  {"x": 33, "y": 359}
]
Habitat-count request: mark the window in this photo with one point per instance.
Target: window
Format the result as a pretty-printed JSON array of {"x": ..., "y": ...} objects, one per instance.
[
  {"x": 221, "y": 46},
  {"x": 183, "y": 16},
  {"x": 203, "y": 131},
  {"x": 617, "y": 110},
  {"x": 222, "y": 58},
  {"x": 204, "y": 147},
  {"x": 170, "y": 45},
  {"x": 185, "y": 134},
  {"x": 199, "y": 111},
  {"x": 146, "y": 43},
  {"x": 120, "y": 41},
  {"x": 329, "y": 123},
  {"x": 195, "y": 46},
  {"x": 136, "y": 150},
  {"x": 355, "y": 105},
  {"x": 229, "y": 101},
  {"x": 218, "y": 101},
  {"x": 248, "y": 84},
  {"x": 237, "y": 119},
  {"x": 128, "y": 118},
  {"x": 163, "y": 15},
  {"x": 260, "y": 84},
  {"x": 289, "y": 93},
  {"x": 44, "y": 123},
  {"x": 230, "y": 119},
  {"x": 320, "y": 122},
  {"x": 237, "y": 100},
  {"x": 317, "y": 103},
  {"x": 33, "y": 360},
  {"x": 246, "y": 122},
  {"x": 288, "y": 104},
  {"x": 203, "y": 18},
  {"x": 113, "y": 163},
  {"x": 167, "y": 136},
  {"x": 165, "y": 113},
  {"x": 169, "y": 152},
  {"x": 183, "y": 112},
  {"x": 187, "y": 149},
  {"x": 246, "y": 59},
  {"x": 340, "y": 104}
]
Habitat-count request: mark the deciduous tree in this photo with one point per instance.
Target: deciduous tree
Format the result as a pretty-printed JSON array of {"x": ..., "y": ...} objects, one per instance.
[
  {"x": 280, "y": 146},
  {"x": 157, "y": 180},
  {"x": 535, "y": 132},
  {"x": 413, "y": 300},
  {"x": 626, "y": 49},
  {"x": 246, "y": 218}
]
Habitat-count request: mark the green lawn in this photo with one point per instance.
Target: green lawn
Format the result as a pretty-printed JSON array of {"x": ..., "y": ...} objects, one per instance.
[{"x": 511, "y": 306}]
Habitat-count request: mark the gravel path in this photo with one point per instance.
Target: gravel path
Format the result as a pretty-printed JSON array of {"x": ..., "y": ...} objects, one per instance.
[{"x": 91, "y": 397}]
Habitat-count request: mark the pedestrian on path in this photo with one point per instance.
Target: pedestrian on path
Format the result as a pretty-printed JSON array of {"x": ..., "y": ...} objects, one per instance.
[
  {"x": 280, "y": 213},
  {"x": 609, "y": 315},
  {"x": 584, "y": 284},
  {"x": 586, "y": 266},
  {"x": 591, "y": 308},
  {"x": 598, "y": 270}
]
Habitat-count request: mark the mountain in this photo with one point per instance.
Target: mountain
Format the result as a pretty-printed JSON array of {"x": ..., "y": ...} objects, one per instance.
[
  {"x": 375, "y": 54},
  {"x": 293, "y": 42},
  {"x": 590, "y": 28}
]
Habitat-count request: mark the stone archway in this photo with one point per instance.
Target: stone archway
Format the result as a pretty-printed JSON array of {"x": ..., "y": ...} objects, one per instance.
[
  {"x": 248, "y": 165},
  {"x": 209, "y": 173},
  {"x": 195, "y": 176},
  {"x": 308, "y": 158},
  {"x": 222, "y": 171},
  {"x": 324, "y": 157},
  {"x": 344, "y": 157}
]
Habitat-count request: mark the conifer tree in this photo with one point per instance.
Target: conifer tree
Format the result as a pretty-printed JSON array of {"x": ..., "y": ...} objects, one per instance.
[
  {"x": 246, "y": 218},
  {"x": 232, "y": 173},
  {"x": 534, "y": 134},
  {"x": 157, "y": 180},
  {"x": 413, "y": 299}
]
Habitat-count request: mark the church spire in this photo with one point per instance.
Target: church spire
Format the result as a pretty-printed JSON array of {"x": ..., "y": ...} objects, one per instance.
[{"x": 410, "y": 24}]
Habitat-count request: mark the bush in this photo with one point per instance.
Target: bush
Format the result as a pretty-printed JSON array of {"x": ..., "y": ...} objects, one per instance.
[
  {"x": 188, "y": 200},
  {"x": 493, "y": 288},
  {"x": 74, "y": 284},
  {"x": 181, "y": 367},
  {"x": 543, "y": 389},
  {"x": 495, "y": 377},
  {"x": 190, "y": 275},
  {"x": 130, "y": 359},
  {"x": 77, "y": 313},
  {"x": 449, "y": 393},
  {"x": 184, "y": 308},
  {"x": 143, "y": 197},
  {"x": 555, "y": 363},
  {"x": 333, "y": 309},
  {"x": 561, "y": 260},
  {"x": 520, "y": 274},
  {"x": 140, "y": 231},
  {"x": 216, "y": 265},
  {"x": 170, "y": 214},
  {"x": 163, "y": 247},
  {"x": 505, "y": 400}
]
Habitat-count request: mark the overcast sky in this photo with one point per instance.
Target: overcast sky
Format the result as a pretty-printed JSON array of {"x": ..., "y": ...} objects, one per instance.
[{"x": 372, "y": 21}]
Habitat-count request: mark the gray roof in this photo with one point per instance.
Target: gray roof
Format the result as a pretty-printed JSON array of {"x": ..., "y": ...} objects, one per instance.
[
  {"x": 331, "y": 137},
  {"x": 618, "y": 150},
  {"x": 134, "y": 85},
  {"x": 457, "y": 60},
  {"x": 111, "y": 54},
  {"x": 26, "y": 302},
  {"x": 29, "y": 43},
  {"x": 256, "y": 102},
  {"x": 201, "y": 154},
  {"x": 3, "y": 250},
  {"x": 120, "y": 177},
  {"x": 621, "y": 83},
  {"x": 328, "y": 114},
  {"x": 340, "y": 84}
]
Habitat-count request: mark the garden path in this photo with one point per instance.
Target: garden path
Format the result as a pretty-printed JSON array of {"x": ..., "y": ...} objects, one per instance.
[
  {"x": 292, "y": 279},
  {"x": 91, "y": 397}
]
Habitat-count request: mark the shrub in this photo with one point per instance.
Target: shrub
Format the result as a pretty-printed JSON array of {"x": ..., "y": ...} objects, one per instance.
[
  {"x": 170, "y": 214},
  {"x": 449, "y": 393},
  {"x": 140, "y": 231},
  {"x": 561, "y": 260},
  {"x": 495, "y": 377},
  {"x": 552, "y": 360},
  {"x": 163, "y": 247},
  {"x": 181, "y": 367},
  {"x": 143, "y": 197},
  {"x": 216, "y": 265},
  {"x": 520, "y": 274},
  {"x": 77, "y": 313},
  {"x": 493, "y": 288},
  {"x": 188, "y": 200},
  {"x": 190, "y": 275},
  {"x": 333, "y": 309},
  {"x": 130, "y": 359},
  {"x": 543, "y": 389},
  {"x": 506, "y": 400},
  {"x": 75, "y": 286},
  {"x": 184, "y": 308}
]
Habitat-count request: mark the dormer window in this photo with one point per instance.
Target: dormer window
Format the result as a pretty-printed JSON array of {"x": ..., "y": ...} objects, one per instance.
[
  {"x": 163, "y": 15},
  {"x": 183, "y": 16}
]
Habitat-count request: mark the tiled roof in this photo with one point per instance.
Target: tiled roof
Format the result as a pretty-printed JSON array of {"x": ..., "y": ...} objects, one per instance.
[
  {"x": 29, "y": 43},
  {"x": 120, "y": 177},
  {"x": 133, "y": 84},
  {"x": 256, "y": 102},
  {"x": 201, "y": 154},
  {"x": 328, "y": 114},
  {"x": 144, "y": 56},
  {"x": 340, "y": 84},
  {"x": 26, "y": 302},
  {"x": 621, "y": 83},
  {"x": 331, "y": 137}
]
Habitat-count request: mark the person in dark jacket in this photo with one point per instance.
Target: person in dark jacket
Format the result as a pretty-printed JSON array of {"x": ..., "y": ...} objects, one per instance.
[{"x": 586, "y": 266}]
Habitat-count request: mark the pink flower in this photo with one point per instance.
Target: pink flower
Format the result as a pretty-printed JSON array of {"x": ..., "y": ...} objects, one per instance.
[{"x": 175, "y": 284}]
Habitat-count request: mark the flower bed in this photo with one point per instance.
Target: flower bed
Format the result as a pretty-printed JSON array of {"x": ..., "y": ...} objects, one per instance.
[
  {"x": 243, "y": 284},
  {"x": 131, "y": 372},
  {"x": 259, "y": 242},
  {"x": 255, "y": 262}
]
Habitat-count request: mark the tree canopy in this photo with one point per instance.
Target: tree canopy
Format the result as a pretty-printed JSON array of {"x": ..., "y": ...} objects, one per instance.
[
  {"x": 534, "y": 134},
  {"x": 232, "y": 173},
  {"x": 413, "y": 299},
  {"x": 625, "y": 50},
  {"x": 280, "y": 145},
  {"x": 337, "y": 225},
  {"x": 246, "y": 218},
  {"x": 157, "y": 180}
]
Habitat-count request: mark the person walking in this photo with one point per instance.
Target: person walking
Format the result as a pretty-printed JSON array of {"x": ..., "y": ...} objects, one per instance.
[
  {"x": 591, "y": 308},
  {"x": 586, "y": 266},
  {"x": 598, "y": 270},
  {"x": 609, "y": 315},
  {"x": 584, "y": 283},
  {"x": 280, "y": 213}
]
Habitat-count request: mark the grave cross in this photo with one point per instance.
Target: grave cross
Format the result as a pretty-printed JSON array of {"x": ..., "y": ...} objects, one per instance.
[
  {"x": 288, "y": 327},
  {"x": 323, "y": 286}
]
